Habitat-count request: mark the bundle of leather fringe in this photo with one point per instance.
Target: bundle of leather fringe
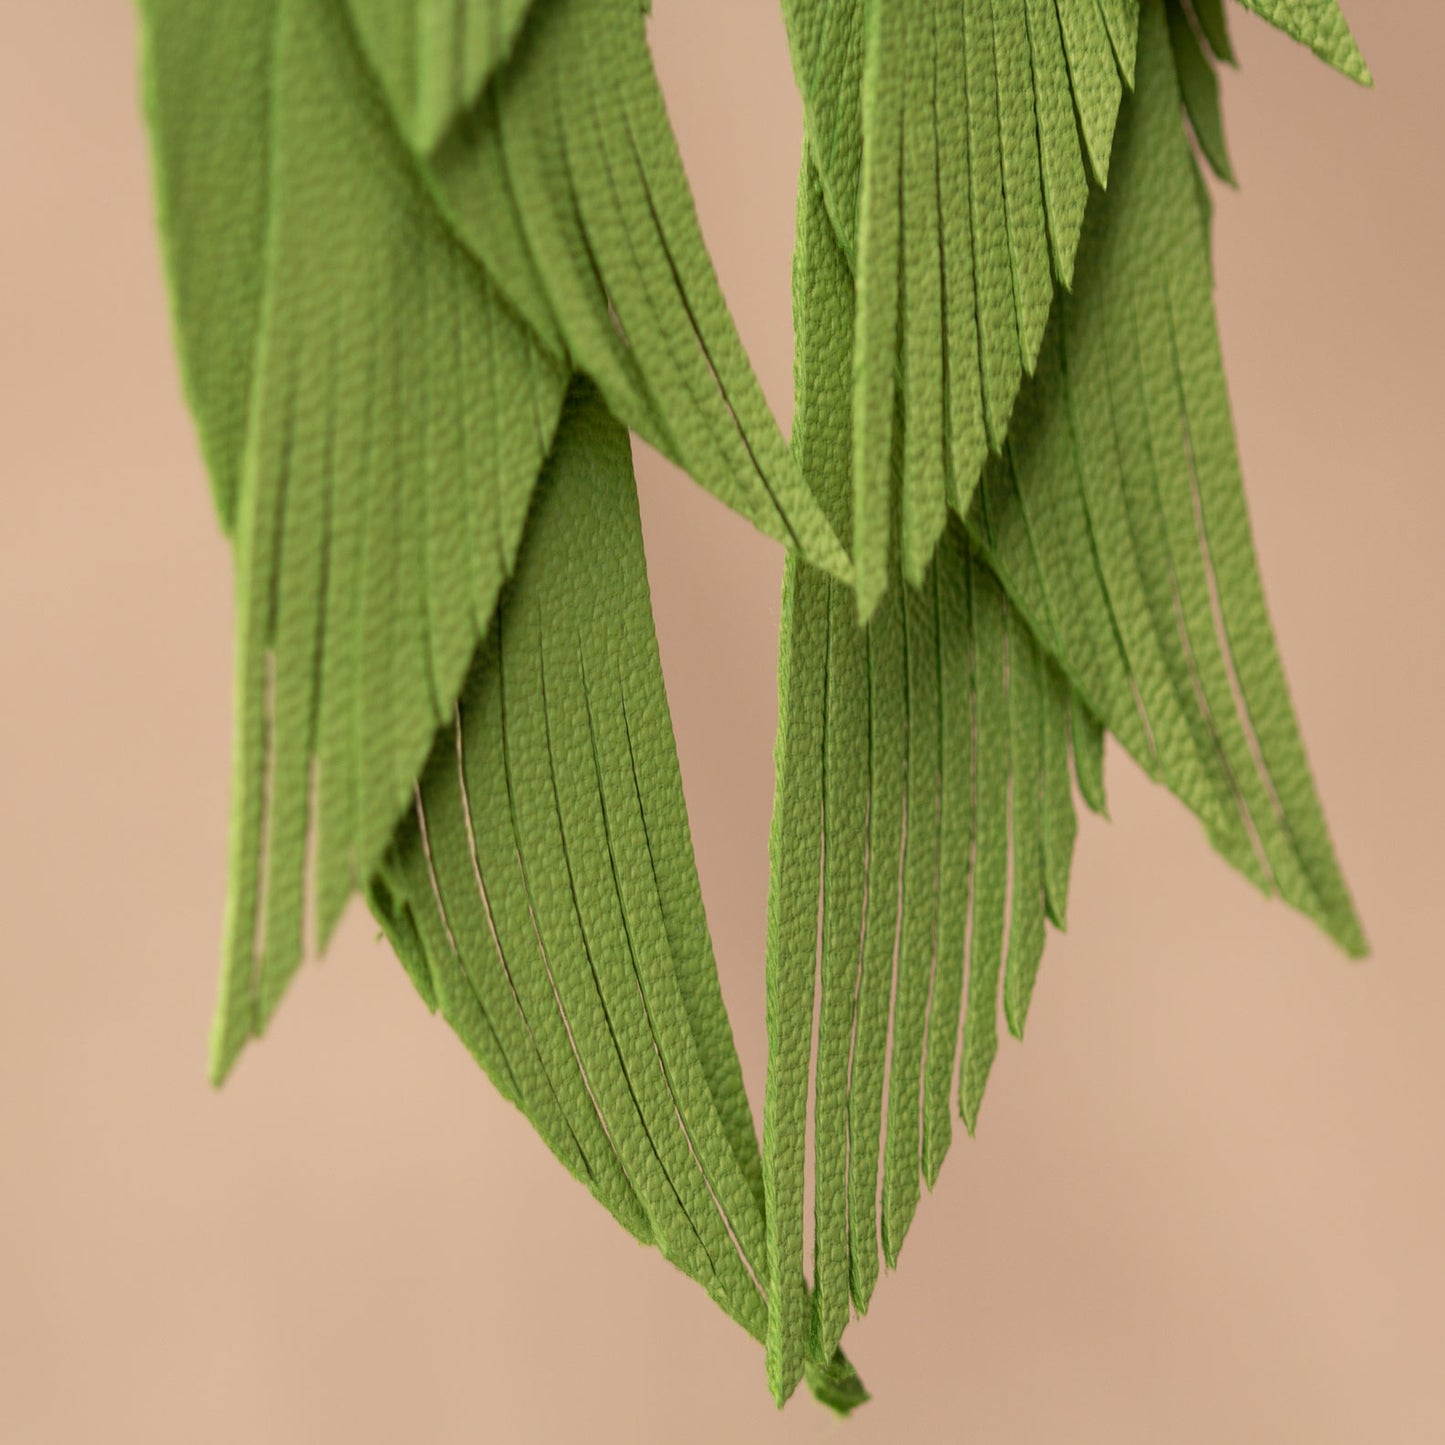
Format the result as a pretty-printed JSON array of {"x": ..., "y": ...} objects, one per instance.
[{"x": 431, "y": 260}]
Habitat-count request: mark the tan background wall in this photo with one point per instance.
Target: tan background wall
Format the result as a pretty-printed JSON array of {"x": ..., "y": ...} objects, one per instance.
[{"x": 1207, "y": 1200}]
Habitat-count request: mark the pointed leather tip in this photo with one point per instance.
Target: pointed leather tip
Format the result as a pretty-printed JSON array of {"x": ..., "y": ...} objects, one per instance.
[{"x": 836, "y": 1384}]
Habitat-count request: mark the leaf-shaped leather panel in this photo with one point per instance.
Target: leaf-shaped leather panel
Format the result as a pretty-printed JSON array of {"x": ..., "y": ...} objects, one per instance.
[
  {"x": 544, "y": 895},
  {"x": 396, "y": 413},
  {"x": 1116, "y": 518},
  {"x": 955, "y": 139},
  {"x": 924, "y": 815},
  {"x": 1320, "y": 25},
  {"x": 564, "y": 180}
]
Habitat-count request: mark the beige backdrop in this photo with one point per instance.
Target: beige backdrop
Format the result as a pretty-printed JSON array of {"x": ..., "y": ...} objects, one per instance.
[{"x": 1207, "y": 1200}]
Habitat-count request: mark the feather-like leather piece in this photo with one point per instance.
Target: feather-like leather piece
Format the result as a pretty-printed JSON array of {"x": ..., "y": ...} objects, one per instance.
[{"x": 954, "y": 143}]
